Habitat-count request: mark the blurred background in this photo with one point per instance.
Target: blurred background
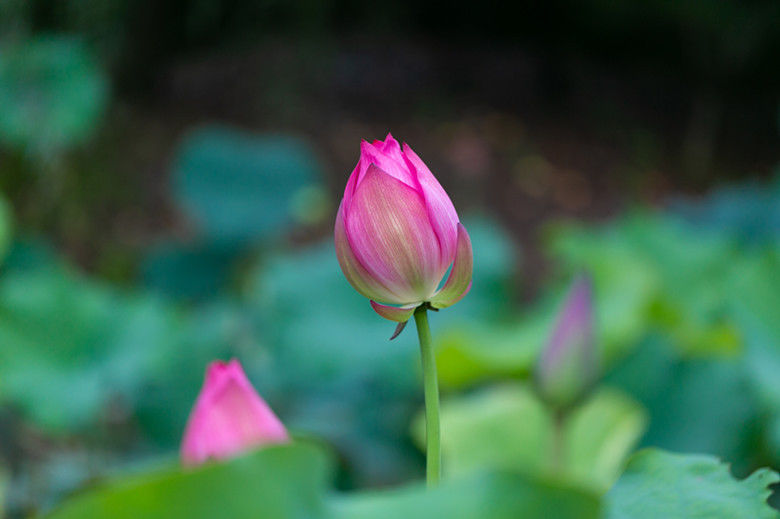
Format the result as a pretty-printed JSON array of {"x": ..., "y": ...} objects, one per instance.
[{"x": 170, "y": 172}]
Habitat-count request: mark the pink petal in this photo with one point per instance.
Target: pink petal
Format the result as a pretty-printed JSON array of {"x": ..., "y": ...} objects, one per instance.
[
  {"x": 459, "y": 282},
  {"x": 394, "y": 313},
  {"x": 352, "y": 182},
  {"x": 390, "y": 235},
  {"x": 228, "y": 418},
  {"x": 390, "y": 162},
  {"x": 360, "y": 279},
  {"x": 441, "y": 212},
  {"x": 391, "y": 147}
]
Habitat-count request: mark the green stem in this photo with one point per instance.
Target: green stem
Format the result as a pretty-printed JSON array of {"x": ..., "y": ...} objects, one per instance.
[
  {"x": 559, "y": 441},
  {"x": 432, "y": 429}
]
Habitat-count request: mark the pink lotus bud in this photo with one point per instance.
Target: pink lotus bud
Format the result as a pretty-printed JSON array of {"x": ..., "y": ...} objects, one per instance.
[
  {"x": 568, "y": 367},
  {"x": 397, "y": 233},
  {"x": 229, "y": 417}
]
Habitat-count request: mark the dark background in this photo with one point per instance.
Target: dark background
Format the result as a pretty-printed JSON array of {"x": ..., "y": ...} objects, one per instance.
[{"x": 534, "y": 110}]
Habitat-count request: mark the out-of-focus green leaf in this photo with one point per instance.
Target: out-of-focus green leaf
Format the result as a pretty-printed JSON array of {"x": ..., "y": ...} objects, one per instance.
[
  {"x": 601, "y": 435},
  {"x": 757, "y": 282},
  {"x": 651, "y": 274},
  {"x": 750, "y": 211},
  {"x": 3, "y": 485},
  {"x": 71, "y": 345},
  {"x": 67, "y": 351},
  {"x": 6, "y": 228},
  {"x": 660, "y": 484},
  {"x": 188, "y": 272},
  {"x": 239, "y": 187},
  {"x": 695, "y": 405},
  {"x": 470, "y": 352},
  {"x": 169, "y": 387},
  {"x": 280, "y": 482},
  {"x": 52, "y": 93},
  {"x": 499, "y": 495},
  {"x": 508, "y": 427},
  {"x": 289, "y": 482},
  {"x": 681, "y": 270}
]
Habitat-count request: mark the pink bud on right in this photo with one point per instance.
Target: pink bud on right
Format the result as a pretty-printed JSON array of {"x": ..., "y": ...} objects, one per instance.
[{"x": 568, "y": 365}]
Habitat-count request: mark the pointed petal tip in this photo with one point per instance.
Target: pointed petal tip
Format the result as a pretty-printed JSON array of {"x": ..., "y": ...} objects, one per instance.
[
  {"x": 398, "y": 329},
  {"x": 365, "y": 146}
]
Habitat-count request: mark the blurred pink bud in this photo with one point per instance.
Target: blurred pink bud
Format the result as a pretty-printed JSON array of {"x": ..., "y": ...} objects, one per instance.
[
  {"x": 397, "y": 233},
  {"x": 228, "y": 418},
  {"x": 568, "y": 366}
]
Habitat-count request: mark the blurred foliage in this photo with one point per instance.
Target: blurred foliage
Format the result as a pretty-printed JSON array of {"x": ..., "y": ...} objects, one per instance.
[
  {"x": 749, "y": 212},
  {"x": 72, "y": 346},
  {"x": 655, "y": 484},
  {"x": 98, "y": 378},
  {"x": 598, "y": 438},
  {"x": 3, "y": 485},
  {"x": 188, "y": 271},
  {"x": 489, "y": 495},
  {"x": 295, "y": 490},
  {"x": 651, "y": 273},
  {"x": 727, "y": 419},
  {"x": 52, "y": 92},
  {"x": 687, "y": 317},
  {"x": 239, "y": 188},
  {"x": 659, "y": 484},
  {"x": 298, "y": 489},
  {"x": 6, "y": 228},
  {"x": 686, "y": 314}
]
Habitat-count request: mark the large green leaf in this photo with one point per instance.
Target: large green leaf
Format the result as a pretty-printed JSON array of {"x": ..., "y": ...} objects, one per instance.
[
  {"x": 508, "y": 427},
  {"x": 499, "y": 495},
  {"x": 192, "y": 272},
  {"x": 695, "y": 405},
  {"x": 758, "y": 285},
  {"x": 72, "y": 346},
  {"x": 239, "y": 187},
  {"x": 289, "y": 482},
  {"x": 683, "y": 271},
  {"x": 51, "y": 91},
  {"x": 282, "y": 482},
  {"x": 651, "y": 274},
  {"x": 660, "y": 484}
]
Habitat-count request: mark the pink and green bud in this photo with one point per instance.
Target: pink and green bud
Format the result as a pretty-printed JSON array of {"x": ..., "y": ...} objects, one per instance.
[
  {"x": 397, "y": 233},
  {"x": 568, "y": 366},
  {"x": 228, "y": 418}
]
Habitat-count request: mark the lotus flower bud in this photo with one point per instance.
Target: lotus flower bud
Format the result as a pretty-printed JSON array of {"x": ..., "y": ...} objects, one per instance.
[
  {"x": 228, "y": 418},
  {"x": 567, "y": 368},
  {"x": 397, "y": 233}
]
